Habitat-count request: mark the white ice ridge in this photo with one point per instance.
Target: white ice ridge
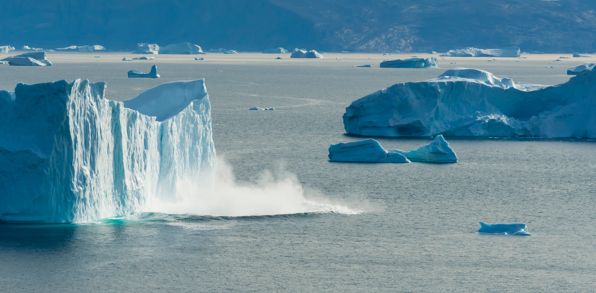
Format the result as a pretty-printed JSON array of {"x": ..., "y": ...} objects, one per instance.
[
  {"x": 471, "y": 102},
  {"x": 181, "y": 48},
  {"x": 474, "y": 52},
  {"x": 139, "y": 74},
  {"x": 86, "y": 48},
  {"x": 298, "y": 53},
  {"x": 370, "y": 151},
  {"x": 410, "y": 63},
  {"x": 67, "y": 154},
  {"x": 29, "y": 59}
]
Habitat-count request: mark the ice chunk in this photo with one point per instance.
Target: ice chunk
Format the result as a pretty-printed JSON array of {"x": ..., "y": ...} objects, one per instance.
[
  {"x": 366, "y": 66},
  {"x": 181, "y": 48},
  {"x": 144, "y": 48},
  {"x": 410, "y": 63},
  {"x": 6, "y": 49},
  {"x": 305, "y": 54},
  {"x": 438, "y": 151},
  {"x": 278, "y": 50},
  {"x": 262, "y": 109},
  {"x": 580, "y": 69},
  {"x": 517, "y": 229},
  {"x": 474, "y": 52},
  {"x": 29, "y": 59},
  {"x": 143, "y": 58},
  {"x": 140, "y": 74},
  {"x": 578, "y": 55},
  {"x": 67, "y": 154},
  {"x": 470, "y": 102},
  {"x": 364, "y": 151}
]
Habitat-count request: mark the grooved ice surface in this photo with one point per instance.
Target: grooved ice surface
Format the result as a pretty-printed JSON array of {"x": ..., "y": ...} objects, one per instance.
[
  {"x": 67, "y": 154},
  {"x": 471, "y": 102}
]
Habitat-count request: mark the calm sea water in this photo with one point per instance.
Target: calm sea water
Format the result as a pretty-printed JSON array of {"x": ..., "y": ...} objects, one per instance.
[{"x": 413, "y": 226}]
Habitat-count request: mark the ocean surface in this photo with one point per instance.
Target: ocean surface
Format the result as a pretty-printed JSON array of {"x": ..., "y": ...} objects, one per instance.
[{"x": 355, "y": 227}]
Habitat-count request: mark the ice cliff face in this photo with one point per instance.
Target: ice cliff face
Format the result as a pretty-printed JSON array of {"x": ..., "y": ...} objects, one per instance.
[
  {"x": 67, "y": 154},
  {"x": 470, "y": 102}
]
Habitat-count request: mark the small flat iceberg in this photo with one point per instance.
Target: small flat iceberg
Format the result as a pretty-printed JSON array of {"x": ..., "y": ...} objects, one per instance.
[
  {"x": 516, "y": 229},
  {"x": 410, "y": 63},
  {"x": 140, "y": 74},
  {"x": 86, "y": 48},
  {"x": 475, "y": 52},
  {"x": 364, "y": 151},
  {"x": 278, "y": 50},
  {"x": 262, "y": 109},
  {"x": 298, "y": 53},
  {"x": 29, "y": 59},
  {"x": 144, "y": 48},
  {"x": 578, "y": 55},
  {"x": 182, "y": 48},
  {"x": 363, "y": 66},
  {"x": 438, "y": 151}
]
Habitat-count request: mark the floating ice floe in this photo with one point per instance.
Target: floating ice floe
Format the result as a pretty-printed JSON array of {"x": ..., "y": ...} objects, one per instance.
[
  {"x": 29, "y": 59},
  {"x": 471, "y": 102},
  {"x": 87, "y": 48},
  {"x": 140, "y": 74},
  {"x": 6, "y": 49},
  {"x": 181, "y": 48},
  {"x": 144, "y": 48},
  {"x": 198, "y": 59},
  {"x": 474, "y": 52},
  {"x": 298, "y": 53},
  {"x": 366, "y": 65},
  {"x": 262, "y": 109},
  {"x": 70, "y": 155},
  {"x": 410, "y": 63},
  {"x": 516, "y": 229},
  {"x": 278, "y": 50},
  {"x": 578, "y": 55}
]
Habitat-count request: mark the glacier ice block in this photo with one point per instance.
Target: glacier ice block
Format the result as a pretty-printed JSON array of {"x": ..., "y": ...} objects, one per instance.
[
  {"x": 365, "y": 151},
  {"x": 517, "y": 229}
]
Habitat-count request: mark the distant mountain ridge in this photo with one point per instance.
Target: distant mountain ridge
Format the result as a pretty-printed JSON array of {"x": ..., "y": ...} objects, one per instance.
[{"x": 327, "y": 25}]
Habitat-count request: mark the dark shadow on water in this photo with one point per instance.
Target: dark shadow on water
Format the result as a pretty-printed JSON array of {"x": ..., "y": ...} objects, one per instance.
[{"x": 37, "y": 237}]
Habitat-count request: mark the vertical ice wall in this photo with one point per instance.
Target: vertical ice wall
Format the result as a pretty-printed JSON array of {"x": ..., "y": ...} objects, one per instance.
[{"x": 67, "y": 154}]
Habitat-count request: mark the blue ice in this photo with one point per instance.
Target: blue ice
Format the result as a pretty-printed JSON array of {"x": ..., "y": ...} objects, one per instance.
[
  {"x": 140, "y": 74},
  {"x": 517, "y": 229}
]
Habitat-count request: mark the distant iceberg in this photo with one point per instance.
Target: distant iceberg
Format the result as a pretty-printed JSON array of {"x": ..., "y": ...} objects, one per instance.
[
  {"x": 305, "y": 54},
  {"x": 471, "y": 102},
  {"x": 580, "y": 69},
  {"x": 223, "y": 51},
  {"x": 140, "y": 74},
  {"x": 86, "y": 48},
  {"x": 516, "y": 229},
  {"x": 262, "y": 109},
  {"x": 230, "y": 52},
  {"x": 474, "y": 52},
  {"x": 181, "y": 48},
  {"x": 27, "y": 48},
  {"x": 69, "y": 155},
  {"x": 6, "y": 49},
  {"x": 278, "y": 50},
  {"x": 364, "y": 66},
  {"x": 144, "y": 48},
  {"x": 410, "y": 63},
  {"x": 578, "y": 55},
  {"x": 29, "y": 59},
  {"x": 365, "y": 151},
  {"x": 143, "y": 58}
]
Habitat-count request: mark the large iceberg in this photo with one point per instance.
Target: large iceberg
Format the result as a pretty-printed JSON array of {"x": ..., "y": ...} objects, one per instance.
[
  {"x": 144, "y": 48},
  {"x": 68, "y": 155},
  {"x": 471, "y": 102},
  {"x": 474, "y": 52},
  {"x": 140, "y": 74},
  {"x": 278, "y": 50},
  {"x": 410, "y": 63},
  {"x": 6, "y": 49},
  {"x": 181, "y": 48},
  {"x": 517, "y": 229},
  {"x": 29, "y": 59},
  {"x": 305, "y": 54},
  {"x": 365, "y": 151}
]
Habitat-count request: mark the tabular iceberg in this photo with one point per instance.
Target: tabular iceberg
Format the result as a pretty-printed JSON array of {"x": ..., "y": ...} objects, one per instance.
[
  {"x": 471, "y": 102},
  {"x": 474, "y": 52},
  {"x": 438, "y": 151},
  {"x": 144, "y": 48},
  {"x": 410, "y": 63},
  {"x": 140, "y": 74},
  {"x": 305, "y": 54},
  {"x": 85, "y": 48},
  {"x": 29, "y": 59},
  {"x": 67, "y": 154},
  {"x": 517, "y": 229},
  {"x": 181, "y": 48},
  {"x": 365, "y": 151}
]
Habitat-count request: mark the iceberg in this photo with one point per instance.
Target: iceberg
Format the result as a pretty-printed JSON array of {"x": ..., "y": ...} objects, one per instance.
[
  {"x": 222, "y": 50},
  {"x": 6, "y": 49},
  {"x": 143, "y": 58},
  {"x": 85, "y": 48},
  {"x": 474, "y": 52},
  {"x": 517, "y": 229},
  {"x": 230, "y": 52},
  {"x": 181, "y": 48},
  {"x": 410, "y": 63},
  {"x": 365, "y": 151},
  {"x": 69, "y": 155},
  {"x": 29, "y": 59},
  {"x": 578, "y": 55},
  {"x": 364, "y": 66},
  {"x": 471, "y": 102},
  {"x": 438, "y": 151},
  {"x": 278, "y": 50},
  {"x": 305, "y": 54},
  {"x": 580, "y": 69},
  {"x": 144, "y": 48},
  {"x": 261, "y": 109},
  {"x": 140, "y": 74}
]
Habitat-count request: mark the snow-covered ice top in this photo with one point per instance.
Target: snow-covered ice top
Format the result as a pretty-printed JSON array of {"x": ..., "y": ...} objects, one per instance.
[
  {"x": 438, "y": 151},
  {"x": 298, "y": 53},
  {"x": 410, "y": 63},
  {"x": 29, "y": 59},
  {"x": 470, "y": 102},
  {"x": 475, "y": 52},
  {"x": 70, "y": 155},
  {"x": 144, "y": 48},
  {"x": 278, "y": 50},
  {"x": 582, "y": 68},
  {"x": 516, "y": 229},
  {"x": 140, "y": 74},
  {"x": 364, "y": 151},
  {"x": 181, "y": 48}
]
